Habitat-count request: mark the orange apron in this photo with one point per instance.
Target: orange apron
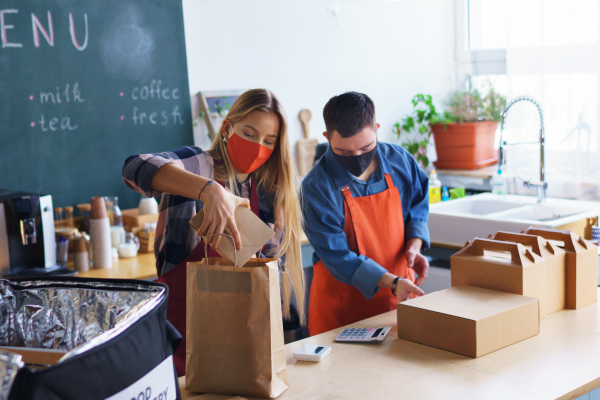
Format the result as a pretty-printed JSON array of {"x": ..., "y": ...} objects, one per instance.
[{"x": 375, "y": 228}]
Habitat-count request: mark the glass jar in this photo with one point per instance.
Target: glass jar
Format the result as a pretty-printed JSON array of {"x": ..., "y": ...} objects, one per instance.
[
  {"x": 84, "y": 217},
  {"x": 130, "y": 247},
  {"x": 115, "y": 216}
]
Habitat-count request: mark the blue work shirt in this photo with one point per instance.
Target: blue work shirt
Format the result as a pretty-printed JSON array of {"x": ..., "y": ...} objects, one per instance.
[{"x": 322, "y": 204}]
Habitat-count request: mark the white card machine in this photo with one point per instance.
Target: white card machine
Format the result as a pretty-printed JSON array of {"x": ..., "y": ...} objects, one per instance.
[
  {"x": 363, "y": 335},
  {"x": 311, "y": 352}
]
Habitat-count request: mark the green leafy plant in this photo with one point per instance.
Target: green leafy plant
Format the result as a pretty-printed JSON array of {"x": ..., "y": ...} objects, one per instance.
[
  {"x": 471, "y": 106},
  {"x": 415, "y": 128},
  {"x": 461, "y": 106},
  {"x": 218, "y": 108}
]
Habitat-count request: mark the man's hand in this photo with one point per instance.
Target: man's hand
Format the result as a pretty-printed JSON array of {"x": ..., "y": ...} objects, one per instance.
[
  {"x": 416, "y": 261},
  {"x": 404, "y": 288}
]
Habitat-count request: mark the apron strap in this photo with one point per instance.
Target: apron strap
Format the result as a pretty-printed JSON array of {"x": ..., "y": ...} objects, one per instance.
[
  {"x": 390, "y": 182},
  {"x": 346, "y": 192},
  {"x": 253, "y": 196},
  {"x": 348, "y": 195}
]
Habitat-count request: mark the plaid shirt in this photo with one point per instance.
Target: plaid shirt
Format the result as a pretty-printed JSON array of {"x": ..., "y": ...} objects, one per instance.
[{"x": 174, "y": 239}]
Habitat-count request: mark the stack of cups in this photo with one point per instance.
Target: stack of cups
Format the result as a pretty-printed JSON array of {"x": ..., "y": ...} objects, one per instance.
[
  {"x": 100, "y": 234},
  {"x": 81, "y": 260}
]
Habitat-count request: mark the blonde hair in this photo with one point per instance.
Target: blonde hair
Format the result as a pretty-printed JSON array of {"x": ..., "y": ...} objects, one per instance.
[{"x": 277, "y": 175}]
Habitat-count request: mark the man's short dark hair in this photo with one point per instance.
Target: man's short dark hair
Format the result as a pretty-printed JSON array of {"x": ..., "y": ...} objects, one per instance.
[{"x": 349, "y": 113}]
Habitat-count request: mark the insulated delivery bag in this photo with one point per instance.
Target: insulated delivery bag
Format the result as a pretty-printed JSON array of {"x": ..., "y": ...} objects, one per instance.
[{"x": 80, "y": 338}]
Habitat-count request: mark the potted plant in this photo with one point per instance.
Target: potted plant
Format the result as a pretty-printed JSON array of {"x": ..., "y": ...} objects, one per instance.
[
  {"x": 464, "y": 134},
  {"x": 416, "y": 127}
]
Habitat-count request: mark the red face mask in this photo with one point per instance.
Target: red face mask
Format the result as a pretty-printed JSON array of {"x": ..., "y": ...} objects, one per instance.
[{"x": 246, "y": 156}]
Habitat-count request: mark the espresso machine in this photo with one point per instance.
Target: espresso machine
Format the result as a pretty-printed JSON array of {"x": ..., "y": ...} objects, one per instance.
[{"x": 27, "y": 241}]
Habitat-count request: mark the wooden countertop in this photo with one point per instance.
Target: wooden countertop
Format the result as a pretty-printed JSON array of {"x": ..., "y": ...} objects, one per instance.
[
  {"x": 483, "y": 173},
  {"x": 559, "y": 363},
  {"x": 143, "y": 266}
]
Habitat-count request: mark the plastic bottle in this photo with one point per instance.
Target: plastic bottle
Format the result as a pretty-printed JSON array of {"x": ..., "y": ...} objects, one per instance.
[
  {"x": 445, "y": 194},
  {"x": 499, "y": 185},
  {"x": 435, "y": 188}
]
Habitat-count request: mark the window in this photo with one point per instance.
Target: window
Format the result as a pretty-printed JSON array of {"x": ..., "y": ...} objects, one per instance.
[{"x": 549, "y": 50}]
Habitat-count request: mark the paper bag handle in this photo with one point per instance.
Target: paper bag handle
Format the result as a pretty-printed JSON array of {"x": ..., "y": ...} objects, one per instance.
[
  {"x": 220, "y": 234},
  {"x": 478, "y": 246},
  {"x": 523, "y": 238},
  {"x": 569, "y": 238}
]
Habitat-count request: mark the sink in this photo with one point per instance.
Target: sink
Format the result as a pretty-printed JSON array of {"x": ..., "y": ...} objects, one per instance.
[
  {"x": 543, "y": 212},
  {"x": 476, "y": 207},
  {"x": 454, "y": 222}
]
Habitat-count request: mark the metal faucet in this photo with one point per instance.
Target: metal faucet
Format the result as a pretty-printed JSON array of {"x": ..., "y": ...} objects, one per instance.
[{"x": 542, "y": 185}]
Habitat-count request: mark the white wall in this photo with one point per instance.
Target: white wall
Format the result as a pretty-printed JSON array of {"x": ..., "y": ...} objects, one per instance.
[{"x": 307, "y": 51}]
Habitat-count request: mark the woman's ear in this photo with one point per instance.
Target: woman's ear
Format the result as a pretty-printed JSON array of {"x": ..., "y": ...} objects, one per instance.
[{"x": 227, "y": 128}]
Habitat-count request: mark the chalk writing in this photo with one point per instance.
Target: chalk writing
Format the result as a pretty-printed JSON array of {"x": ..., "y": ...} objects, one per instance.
[
  {"x": 65, "y": 123},
  {"x": 4, "y": 27},
  {"x": 55, "y": 97},
  {"x": 154, "y": 91},
  {"x": 154, "y": 118},
  {"x": 72, "y": 30},
  {"x": 37, "y": 28}
]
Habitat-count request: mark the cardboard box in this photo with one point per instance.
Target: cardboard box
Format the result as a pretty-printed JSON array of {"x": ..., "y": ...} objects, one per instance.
[
  {"x": 253, "y": 231},
  {"x": 556, "y": 266},
  {"x": 582, "y": 265},
  {"x": 132, "y": 218},
  {"x": 146, "y": 239},
  {"x": 468, "y": 320},
  {"x": 523, "y": 272},
  {"x": 36, "y": 356}
]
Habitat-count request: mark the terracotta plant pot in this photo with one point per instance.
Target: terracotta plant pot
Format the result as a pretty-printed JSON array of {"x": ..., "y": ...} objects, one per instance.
[{"x": 465, "y": 146}]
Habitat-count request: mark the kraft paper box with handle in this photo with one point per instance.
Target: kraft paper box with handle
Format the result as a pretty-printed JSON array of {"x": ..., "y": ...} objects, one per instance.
[
  {"x": 556, "y": 266},
  {"x": 468, "y": 320},
  {"x": 524, "y": 273},
  {"x": 235, "y": 340},
  {"x": 253, "y": 231},
  {"x": 582, "y": 265}
]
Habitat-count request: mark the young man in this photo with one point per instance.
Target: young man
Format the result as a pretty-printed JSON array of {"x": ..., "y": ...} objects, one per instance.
[{"x": 365, "y": 206}]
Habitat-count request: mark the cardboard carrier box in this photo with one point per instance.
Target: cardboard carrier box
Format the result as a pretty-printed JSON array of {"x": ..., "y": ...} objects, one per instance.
[
  {"x": 468, "y": 320},
  {"x": 556, "y": 266},
  {"x": 582, "y": 265},
  {"x": 482, "y": 263}
]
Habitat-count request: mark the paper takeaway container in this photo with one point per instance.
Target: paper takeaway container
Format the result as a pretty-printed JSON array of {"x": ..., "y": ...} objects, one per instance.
[
  {"x": 556, "y": 266},
  {"x": 582, "y": 265},
  {"x": 468, "y": 320},
  {"x": 254, "y": 234},
  {"x": 478, "y": 264}
]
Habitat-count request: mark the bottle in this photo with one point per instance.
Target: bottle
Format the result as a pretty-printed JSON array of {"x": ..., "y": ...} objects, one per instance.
[
  {"x": 69, "y": 217},
  {"x": 58, "y": 216},
  {"x": 499, "y": 185},
  {"x": 84, "y": 217},
  {"x": 435, "y": 188},
  {"x": 115, "y": 216},
  {"x": 445, "y": 194}
]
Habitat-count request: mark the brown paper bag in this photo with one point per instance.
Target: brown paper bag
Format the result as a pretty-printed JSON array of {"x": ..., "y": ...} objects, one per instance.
[{"x": 235, "y": 329}]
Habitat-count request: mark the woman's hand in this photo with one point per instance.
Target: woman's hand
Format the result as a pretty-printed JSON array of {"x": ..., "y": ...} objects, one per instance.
[{"x": 219, "y": 208}]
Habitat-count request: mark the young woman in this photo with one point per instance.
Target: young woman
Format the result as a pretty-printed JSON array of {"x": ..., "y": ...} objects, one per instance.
[{"x": 251, "y": 165}]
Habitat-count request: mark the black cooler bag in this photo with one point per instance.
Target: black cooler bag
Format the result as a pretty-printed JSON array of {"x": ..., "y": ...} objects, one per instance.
[{"x": 117, "y": 340}]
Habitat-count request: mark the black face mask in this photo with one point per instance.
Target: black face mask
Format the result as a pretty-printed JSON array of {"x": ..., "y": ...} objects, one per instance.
[{"x": 356, "y": 165}]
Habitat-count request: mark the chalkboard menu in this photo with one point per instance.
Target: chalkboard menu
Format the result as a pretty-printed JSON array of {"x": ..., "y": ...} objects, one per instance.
[{"x": 83, "y": 85}]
